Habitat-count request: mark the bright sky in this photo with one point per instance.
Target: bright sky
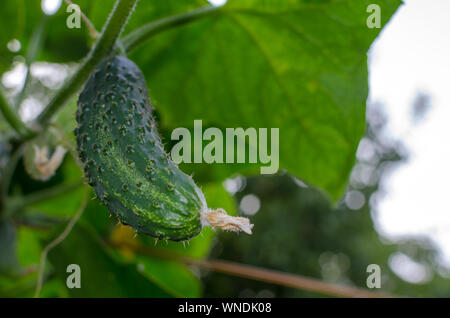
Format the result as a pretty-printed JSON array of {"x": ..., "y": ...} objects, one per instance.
[{"x": 413, "y": 55}]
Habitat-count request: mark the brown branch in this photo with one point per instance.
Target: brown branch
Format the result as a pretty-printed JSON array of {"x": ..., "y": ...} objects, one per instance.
[{"x": 255, "y": 273}]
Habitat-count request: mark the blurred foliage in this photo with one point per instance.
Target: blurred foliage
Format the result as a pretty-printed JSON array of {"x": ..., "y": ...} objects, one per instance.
[
  {"x": 298, "y": 231},
  {"x": 298, "y": 65}
]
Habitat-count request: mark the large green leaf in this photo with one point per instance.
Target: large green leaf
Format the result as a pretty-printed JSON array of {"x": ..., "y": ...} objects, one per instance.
[
  {"x": 101, "y": 275},
  {"x": 299, "y": 66}
]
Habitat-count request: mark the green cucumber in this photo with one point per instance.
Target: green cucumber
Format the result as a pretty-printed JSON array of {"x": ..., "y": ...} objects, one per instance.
[{"x": 125, "y": 162}]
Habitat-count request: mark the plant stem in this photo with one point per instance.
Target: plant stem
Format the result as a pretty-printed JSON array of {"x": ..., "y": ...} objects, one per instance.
[
  {"x": 255, "y": 273},
  {"x": 102, "y": 47},
  {"x": 143, "y": 33},
  {"x": 13, "y": 118}
]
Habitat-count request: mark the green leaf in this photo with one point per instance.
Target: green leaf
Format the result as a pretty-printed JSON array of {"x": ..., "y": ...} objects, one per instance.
[
  {"x": 101, "y": 275},
  {"x": 23, "y": 282},
  {"x": 8, "y": 254},
  {"x": 11, "y": 15},
  {"x": 65, "y": 204},
  {"x": 176, "y": 278},
  {"x": 29, "y": 248},
  {"x": 299, "y": 66}
]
